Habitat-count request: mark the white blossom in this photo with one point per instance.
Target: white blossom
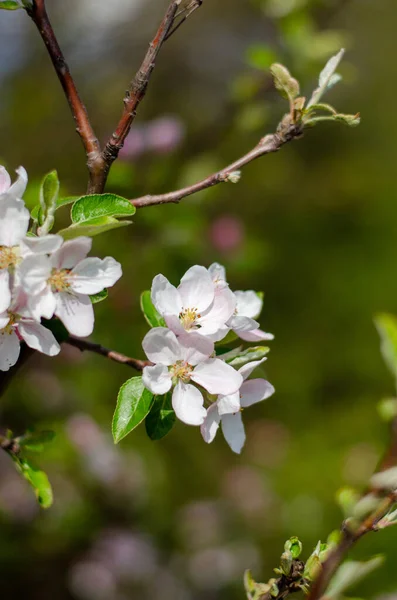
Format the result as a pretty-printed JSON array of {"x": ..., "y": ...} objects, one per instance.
[
  {"x": 17, "y": 189},
  {"x": 182, "y": 361},
  {"x": 17, "y": 326},
  {"x": 61, "y": 283},
  {"x": 227, "y": 409},
  {"x": 196, "y": 305}
]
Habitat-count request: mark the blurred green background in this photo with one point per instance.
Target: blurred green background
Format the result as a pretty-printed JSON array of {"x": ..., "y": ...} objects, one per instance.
[{"x": 314, "y": 226}]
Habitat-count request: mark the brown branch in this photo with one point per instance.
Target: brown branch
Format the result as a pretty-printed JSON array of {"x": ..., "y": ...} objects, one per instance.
[
  {"x": 39, "y": 15},
  {"x": 138, "y": 87},
  {"x": 270, "y": 143},
  {"x": 84, "y": 345}
]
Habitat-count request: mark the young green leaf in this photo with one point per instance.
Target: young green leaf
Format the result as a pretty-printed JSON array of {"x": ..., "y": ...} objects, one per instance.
[
  {"x": 10, "y": 5},
  {"x": 328, "y": 78},
  {"x": 92, "y": 227},
  {"x": 37, "y": 479},
  {"x": 149, "y": 311},
  {"x": 133, "y": 404},
  {"x": 49, "y": 192},
  {"x": 95, "y": 298},
  {"x": 246, "y": 356},
  {"x": 94, "y": 206},
  {"x": 284, "y": 82},
  {"x": 350, "y": 573},
  {"x": 161, "y": 418},
  {"x": 387, "y": 328}
]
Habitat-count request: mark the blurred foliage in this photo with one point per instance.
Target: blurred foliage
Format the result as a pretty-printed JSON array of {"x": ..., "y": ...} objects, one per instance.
[{"x": 314, "y": 226}]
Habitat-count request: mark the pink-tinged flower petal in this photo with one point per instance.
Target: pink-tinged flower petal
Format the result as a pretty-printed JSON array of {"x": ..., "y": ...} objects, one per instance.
[
  {"x": 173, "y": 323},
  {"x": 255, "y": 390},
  {"x": 38, "y": 337},
  {"x": 229, "y": 404},
  {"x": 217, "y": 377},
  {"x": 188, "y": 404},
  {"x": 219, "y": 312},
  {"x": 248, "y": 304},
  {"x": 255, "y": 336},
  {"x": 43, "y": 304},
  {"x": 4, "y": 319},
  {"x": 233, "y": 431},
  {"x": 157, "y": 379},
  {"x": 197, "y": 289},
  {"x": 195, "y": 348},
  {"x": 5, "y": 292},
  {"x": 34, "y": 271},
  {"x": 218, "y": 274},
  {"x": 5, "y": 180},
  {"x": 211, "y": 424},
  {"x": 92, "y": 275},
  {"x": 71, "y": 253},
  {"x": 247, "y": 369},
  {"x": 9, "y": 350},
  {"x": 18, "y": 188},
  {"x": 165, "y": 296},
  {"x": 161, "y": 346},
  {"x": 239, "y": 324},
  {"x": 14, "y": 220},
  {"x": 76, "y": 313},
  {"x": 47, "y": 244}
]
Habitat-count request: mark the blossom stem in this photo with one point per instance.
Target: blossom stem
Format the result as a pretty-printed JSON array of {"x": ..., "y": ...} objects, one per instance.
[
  {"x": 38, "y": 13},
  {"x": 85, "y": 345}
]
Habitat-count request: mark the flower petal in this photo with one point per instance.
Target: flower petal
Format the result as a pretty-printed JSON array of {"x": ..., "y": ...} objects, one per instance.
[
  {"x": 220, "y": 311},
  {"x": 43, "y": 304},
  {"x": 165, "y": 296},
  {"x": 247, "y": 369},
  {"x": 255, "y": 336},
  {"x": 5, "y": 292},
  {"x": 211, "y": 424},
  {"x": 255, "y": 390},
  {"x": 18, "y": 188},
  {"x": 92, "y": 275},
  {"x": 34, "y": 272},
  {"x": 249, "y": 304},
  {"x": 4, "y": 319},
  {"x": 218, "y": 274},
  {"x": 173, "y": 322},
  {"x": 5, "y": 180},
  {"x": 14, "y": 220},
  {"x": 217, "y": 377},
  {"x": 195, "y": 348},
  {"x": 197, "y": 289},
  {"x": 229, "y": 404},
  {"x": 239, "y": 323},
  {"x": 47, "y": 244},
  {"x": 71, "y": 253},
  {"x": 161, "y": 346},
  {"x": 9, "y": 350},
  {"x": 157, "y": 379},
  {"x": 233, "y": 431},
  {"x": 38, "y": 337},
  {"x": 76, "y": 313},
  {"x": 188, "y": 404}
]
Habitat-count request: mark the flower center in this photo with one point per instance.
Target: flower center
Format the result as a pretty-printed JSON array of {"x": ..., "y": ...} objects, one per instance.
[
  {"x": 188, "y": 317},
  {"x": 59, "y": 280},
  {"x": 9, "y": 328},
  {"x": 181, "y": 370},
  {"x": 8, "y": 256}
]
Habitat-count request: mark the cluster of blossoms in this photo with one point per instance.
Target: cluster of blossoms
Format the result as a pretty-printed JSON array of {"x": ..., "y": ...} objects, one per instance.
[
  {"x": 41, "y": 277},
  {"x": 201, "y": 311}
]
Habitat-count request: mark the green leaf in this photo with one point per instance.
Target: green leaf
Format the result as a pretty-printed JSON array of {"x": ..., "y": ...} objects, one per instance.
[
  {"x": 294, "y": 545},
  {"x": 37, "y": 479},
  {"x": 133, "y": 404},
  {"x": 95, "y": 298},
  {"x": 36, "y": 442},
  {"x": 91, "y": 207},
  {"x": 386, "y": 325},
  {"x": 328, "y": 78},
  {"x": 161, "y": 418},
  {"x": 246, "y": 356},
  {"x": 149, "y": 311},
  {"x": 349, "y": 573},
  {"x": 49, "y": 191},
  {"x": 92, "y": 227},
  {"x": 287, "y": 85},
  {"x": 10, "y": 5}
]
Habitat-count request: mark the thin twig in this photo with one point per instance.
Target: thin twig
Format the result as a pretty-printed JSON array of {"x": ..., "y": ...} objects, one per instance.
[
  {"x": 137, "y": 91},
  {"x": 84, "y": 345},
  {"x": 270, "y": 143},
  {"x": 189, "y": 10},
  {"x": 37, "y": 11}
]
